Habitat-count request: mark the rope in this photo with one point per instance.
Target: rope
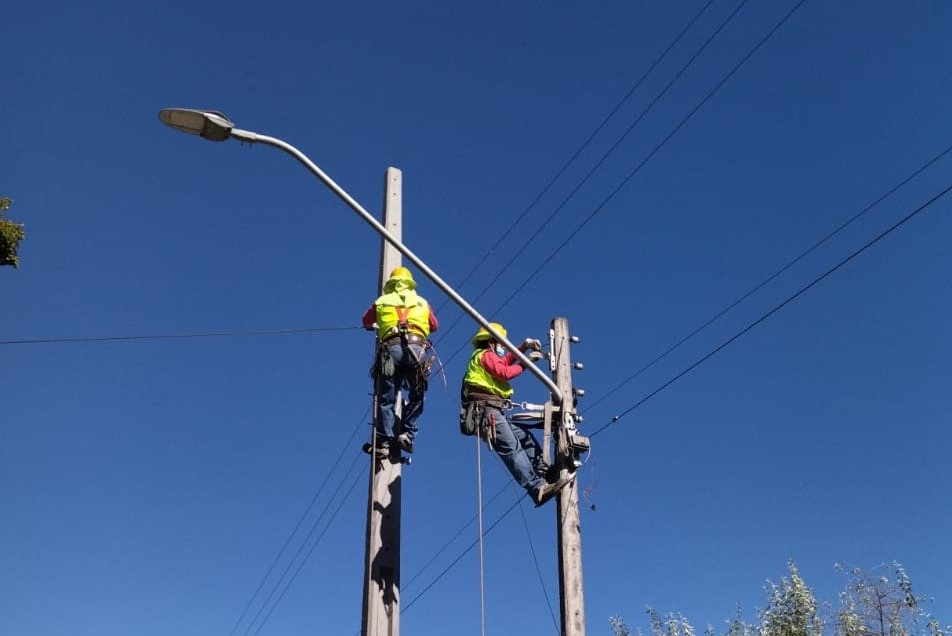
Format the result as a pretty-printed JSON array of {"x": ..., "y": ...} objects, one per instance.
[{"x": 479, "y": 497}]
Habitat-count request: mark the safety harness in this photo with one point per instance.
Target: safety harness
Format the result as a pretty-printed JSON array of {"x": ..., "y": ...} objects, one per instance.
[{"x": 405, "y": 337}]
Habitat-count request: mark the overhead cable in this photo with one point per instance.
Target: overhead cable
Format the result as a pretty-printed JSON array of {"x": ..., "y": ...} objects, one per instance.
[
  {"x": 297, "y": 526},
  {"x": 461, "y": 555},
  {"x": 449, "y": 542},
  {"x": 770, "y": 278},
  {"x": 215, "y": 334},
  {"x": 654, "y": 151},
  {"x": 535, "y": 562},
  {"x": 579, "y": 150},
  {"x": 307, "y": 555},
  {"x": 661, "y": 144},
  {"x": 598, "y": 164},
  {"x": 777, "y": 308}
]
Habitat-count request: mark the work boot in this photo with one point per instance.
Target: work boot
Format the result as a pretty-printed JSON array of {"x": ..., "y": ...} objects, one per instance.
[
  {"x": 548, "y": 490},
  {"x": 406, "y": 442}
]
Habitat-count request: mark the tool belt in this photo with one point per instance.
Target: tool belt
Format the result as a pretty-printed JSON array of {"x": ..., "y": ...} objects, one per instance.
[
  {"x": 423, "y": 361},
  {"x": 409, "y": 338},
  {"x": 473, "y": 394}
]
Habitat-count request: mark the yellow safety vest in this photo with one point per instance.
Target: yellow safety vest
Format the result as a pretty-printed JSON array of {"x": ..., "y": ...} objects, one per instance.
[
  {"x": 392, "y": 309},
  {"x": 478, "y": 376}
]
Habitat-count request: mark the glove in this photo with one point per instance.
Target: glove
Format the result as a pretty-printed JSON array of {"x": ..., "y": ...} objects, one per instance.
[
  {"x": 372, "y": 327},
  {"x": 531, "y": 343},
  {"x": 535, "y": 356}
]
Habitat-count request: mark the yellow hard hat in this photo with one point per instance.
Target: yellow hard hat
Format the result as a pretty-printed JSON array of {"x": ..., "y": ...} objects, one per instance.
[
  {"x": 483, "y": 333},
  {"x": 401, "y": 273}
]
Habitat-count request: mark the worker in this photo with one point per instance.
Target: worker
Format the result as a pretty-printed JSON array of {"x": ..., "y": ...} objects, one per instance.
[
  {"x": 403, "y": 321},
  {"x": 485, "y": 395}
]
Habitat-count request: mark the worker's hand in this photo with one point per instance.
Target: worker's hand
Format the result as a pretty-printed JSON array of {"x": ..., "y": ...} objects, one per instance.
[
  {"x": 372, "y": 327},
  {"x": 535, "y": 356},
  {"x": 531, "y": 343}
]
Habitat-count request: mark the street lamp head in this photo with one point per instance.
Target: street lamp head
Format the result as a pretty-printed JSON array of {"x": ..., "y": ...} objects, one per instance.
[{"x": 209, "y": 124}]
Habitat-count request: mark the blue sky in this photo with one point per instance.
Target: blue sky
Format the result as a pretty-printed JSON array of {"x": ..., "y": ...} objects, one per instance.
[{"x": 148, "y": 484}]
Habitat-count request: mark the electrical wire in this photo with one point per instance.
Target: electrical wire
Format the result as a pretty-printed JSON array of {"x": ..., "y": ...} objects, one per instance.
[
  {"x": 658, "y": 147},
  {"x": 598, "y": 164},
  {"x": 777, "y": 308},
  {"x": 217, "y": 334},
  {"x": 297, "y": 554},
  {"x": 535, "y": 562},
  {"x": 654, "y": 151},
  {"x": 461, "y": 555},
  {"x": 297, "y": 526},
  {"x": 478, "y": 541},
  {"x": 313, "y": 546},
  {"x": 578, "y": 151},
  {"x": 773, "y": 276},
  {"x": 449, "y": 542}
]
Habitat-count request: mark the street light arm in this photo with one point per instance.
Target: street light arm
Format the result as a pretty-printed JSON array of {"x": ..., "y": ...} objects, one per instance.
[{"x": 252, "y": 137}]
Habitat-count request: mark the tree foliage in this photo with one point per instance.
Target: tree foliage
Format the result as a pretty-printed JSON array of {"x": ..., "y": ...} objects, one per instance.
[
  {"x": 670, "y": 625},
  {"x": 872, "y": 604},
  {"x": 619, "y": 628},
  {"x": 791, "y": 608},
  {"x": 883, "y": 604},
  {"x": 11, "y": 233}
]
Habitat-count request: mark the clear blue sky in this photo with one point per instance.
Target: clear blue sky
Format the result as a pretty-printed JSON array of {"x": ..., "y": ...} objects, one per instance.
[{"x": 146, "y": 485}]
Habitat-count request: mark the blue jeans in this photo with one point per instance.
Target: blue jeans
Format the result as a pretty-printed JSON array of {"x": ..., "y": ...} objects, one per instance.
[
  {"x": 516, "y": 446},
  {"x": 406, "y": 374}
]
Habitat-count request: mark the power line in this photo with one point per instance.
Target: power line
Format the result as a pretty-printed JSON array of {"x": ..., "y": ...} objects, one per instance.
[
  {"x": 535, "y": 562},
  {"x": 773, "y": 276},
  {"x": 462, "y": 554},
  {"x": 301, "y": 547},
  {"x": 777, "y": 308},
  {"x": 297, "y": 526},
  {"x": 449, "y": 542},
  {"x": 216, "y": 334},
  {"x": 309, "y": 552},
  {"x": 658, "y": 147},
  {"x": 654, "y": 151},
  {"x": 608, "y": 153},
  {"x": 466, "y": 551},
  {"x": 579, "y": 150}
]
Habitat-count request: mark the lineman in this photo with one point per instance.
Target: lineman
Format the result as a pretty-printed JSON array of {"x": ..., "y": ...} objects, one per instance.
[
  {"x": 403, "y": 320},
  {"x": 485, "y": 395}
]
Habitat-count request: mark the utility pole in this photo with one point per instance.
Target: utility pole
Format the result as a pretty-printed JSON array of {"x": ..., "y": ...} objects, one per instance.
[
  {"x": 568, "y": 446},
  {"x": 382, "y": 560}
]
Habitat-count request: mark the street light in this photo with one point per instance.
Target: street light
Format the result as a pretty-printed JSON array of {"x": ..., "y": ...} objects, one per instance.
[
  {"x": 211, "y": 125},
  {"x": 215, "y": 126}
]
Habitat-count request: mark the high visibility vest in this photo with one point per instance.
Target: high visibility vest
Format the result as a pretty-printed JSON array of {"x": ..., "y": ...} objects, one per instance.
[
  {"x": 392, "y": 310},
  {"x": 478, "y": 376}
]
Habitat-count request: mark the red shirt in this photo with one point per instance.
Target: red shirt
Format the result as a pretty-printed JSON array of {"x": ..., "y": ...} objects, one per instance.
[{"x": 504, "y": 367}]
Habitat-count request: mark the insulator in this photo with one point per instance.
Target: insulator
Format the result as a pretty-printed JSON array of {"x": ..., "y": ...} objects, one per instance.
[
  {"x": 578, "y": 392},
  {"x": 578, "y": 366},
  {"x": 575, "y": 339}
]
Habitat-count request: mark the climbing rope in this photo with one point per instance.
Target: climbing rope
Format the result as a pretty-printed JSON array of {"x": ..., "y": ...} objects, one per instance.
[{"x": 479, "y": 503}]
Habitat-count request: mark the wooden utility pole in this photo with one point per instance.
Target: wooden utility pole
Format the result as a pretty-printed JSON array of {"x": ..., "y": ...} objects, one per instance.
[
  {"x": 382, "y": 559},
  {"x": 568, "y": 445}
]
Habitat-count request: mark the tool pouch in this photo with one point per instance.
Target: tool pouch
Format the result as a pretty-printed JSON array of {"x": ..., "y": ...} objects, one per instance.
[
  {"x": 387, "y": 366},
  {"x": 469, "y": 415}
]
